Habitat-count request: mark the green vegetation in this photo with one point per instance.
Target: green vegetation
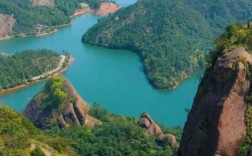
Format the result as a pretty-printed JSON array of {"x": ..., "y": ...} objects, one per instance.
[
  {"x": 19, "y": 68},
  {"x": 31, "y": 19},
  {"x": 57, "y": 88},
  {"x": 234, "y": 36},
  {"x": 54, "y": 97},
  {"x": 94, "y": 4},
  {"x": 111, "y": 135},
  {"x": 171, "y": 37},
  {"x": 17, "y": 135},
  {"x": 118, "y": 135}
]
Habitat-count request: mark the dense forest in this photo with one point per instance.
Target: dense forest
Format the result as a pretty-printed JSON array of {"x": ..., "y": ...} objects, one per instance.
[
  {"x": 237, "y": 35},
  {"x": 18, "y": 136},
  {"x": 108, "y": 135},
  {"x": 30, "y": 19},
  {"x": 172, "y": 38},
  {"x": 117, "y": 135},
  {"x": 19, "y": 68}
]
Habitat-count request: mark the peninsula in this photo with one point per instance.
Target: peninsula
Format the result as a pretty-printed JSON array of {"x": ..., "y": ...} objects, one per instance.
[
  {"x": 23, "y": 71},
  {"x": 172, "y": 38}
]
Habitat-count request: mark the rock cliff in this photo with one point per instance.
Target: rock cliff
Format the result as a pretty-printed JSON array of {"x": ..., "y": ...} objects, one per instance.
[
  {"x": 58, "y": 104},
  {"x": 7, "y": 23},
  {"x": 153, "y": 128},
  {"x": 216, "y": 124}
]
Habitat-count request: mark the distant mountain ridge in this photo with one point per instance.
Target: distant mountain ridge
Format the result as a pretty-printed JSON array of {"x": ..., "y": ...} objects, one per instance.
[{"x": 172, "y": 38}]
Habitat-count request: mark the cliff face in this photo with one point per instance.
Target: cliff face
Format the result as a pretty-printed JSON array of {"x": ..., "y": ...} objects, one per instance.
[
  {"x": 46, "y": 111},
  {"x": 216, "y": 122},
  {"x": 152, "y": 128},
  {"x": 6, "y": 25}
]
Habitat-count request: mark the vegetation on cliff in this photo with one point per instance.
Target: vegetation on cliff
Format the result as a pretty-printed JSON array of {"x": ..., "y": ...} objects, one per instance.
[
  {"x": 19, "y": 68},
  {"x": 236, "y": 35},
  {"x": 57, "y": 105},
  {"x": 171, "y": 38},
  {"x": 221, "y": 117}
]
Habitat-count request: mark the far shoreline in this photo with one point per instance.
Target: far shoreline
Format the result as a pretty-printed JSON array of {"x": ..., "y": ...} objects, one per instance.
[
  {"x": 106, "y": 8},
  {"x": 27, "y": 84}
]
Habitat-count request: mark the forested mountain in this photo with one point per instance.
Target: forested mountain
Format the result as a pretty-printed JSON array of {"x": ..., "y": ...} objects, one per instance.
[
  {"x": 57, "y": 103},
  {"x": 171, "y": 37},
  {"x": 19, "y": 68},
  {"x": 30, "y": 18},
  {"x": 117, "y": 135}
]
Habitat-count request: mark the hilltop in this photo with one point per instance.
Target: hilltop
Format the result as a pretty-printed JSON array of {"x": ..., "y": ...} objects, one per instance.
[
  {"x": 172, "y": 38},
  {"x": 58, "y": 105}
]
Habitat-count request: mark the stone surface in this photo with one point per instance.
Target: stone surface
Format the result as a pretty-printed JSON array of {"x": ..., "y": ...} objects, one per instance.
[
  {"x": 152, "y": 128},
  {"x": 215, "y": 124},
  {"x": 7, "y": 23}
]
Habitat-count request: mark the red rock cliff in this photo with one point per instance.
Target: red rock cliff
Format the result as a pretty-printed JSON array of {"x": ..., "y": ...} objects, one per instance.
[{"x": 215, "y": 124}]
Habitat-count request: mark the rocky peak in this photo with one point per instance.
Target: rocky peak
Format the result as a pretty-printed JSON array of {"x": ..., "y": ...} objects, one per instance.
[
  {"x": 216, "y": 122},
  {"x": 58, "y": 104},
  {"x": 153, "y": 129}
]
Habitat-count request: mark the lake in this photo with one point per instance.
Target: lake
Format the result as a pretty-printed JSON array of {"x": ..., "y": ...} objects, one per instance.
[{"x": 112, "y": 78}]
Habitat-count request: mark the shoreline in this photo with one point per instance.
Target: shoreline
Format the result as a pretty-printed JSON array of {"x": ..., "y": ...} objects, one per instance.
[
  {"x": 106, "y": 8},
  {"x": 46, "y": 33},
  {"x": 27, "y": 84},
  {"x": 146, "y": 73}
]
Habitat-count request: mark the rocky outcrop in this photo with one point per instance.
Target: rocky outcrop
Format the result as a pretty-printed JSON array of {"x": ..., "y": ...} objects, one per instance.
[
  {"x": 153, "y": 129},
  {"x": 49, "y": 3},
  {"x": 147, "y": 123},
  {"x": 215, "y": 124},
  {"x": 45, "y": 112},
  {"x": 7, "y": 23}
]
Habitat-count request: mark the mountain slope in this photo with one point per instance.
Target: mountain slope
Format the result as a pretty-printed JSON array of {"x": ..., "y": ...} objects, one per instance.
[
  {"x": 118, "y": 135},
  {"x": 170, "y": 37},
  {"x": 18, "y": 136},
  {"x": 219, "y": 122}
]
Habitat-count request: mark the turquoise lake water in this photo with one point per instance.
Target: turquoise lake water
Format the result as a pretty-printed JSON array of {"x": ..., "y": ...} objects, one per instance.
[{"x": 112, "y": 78}]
